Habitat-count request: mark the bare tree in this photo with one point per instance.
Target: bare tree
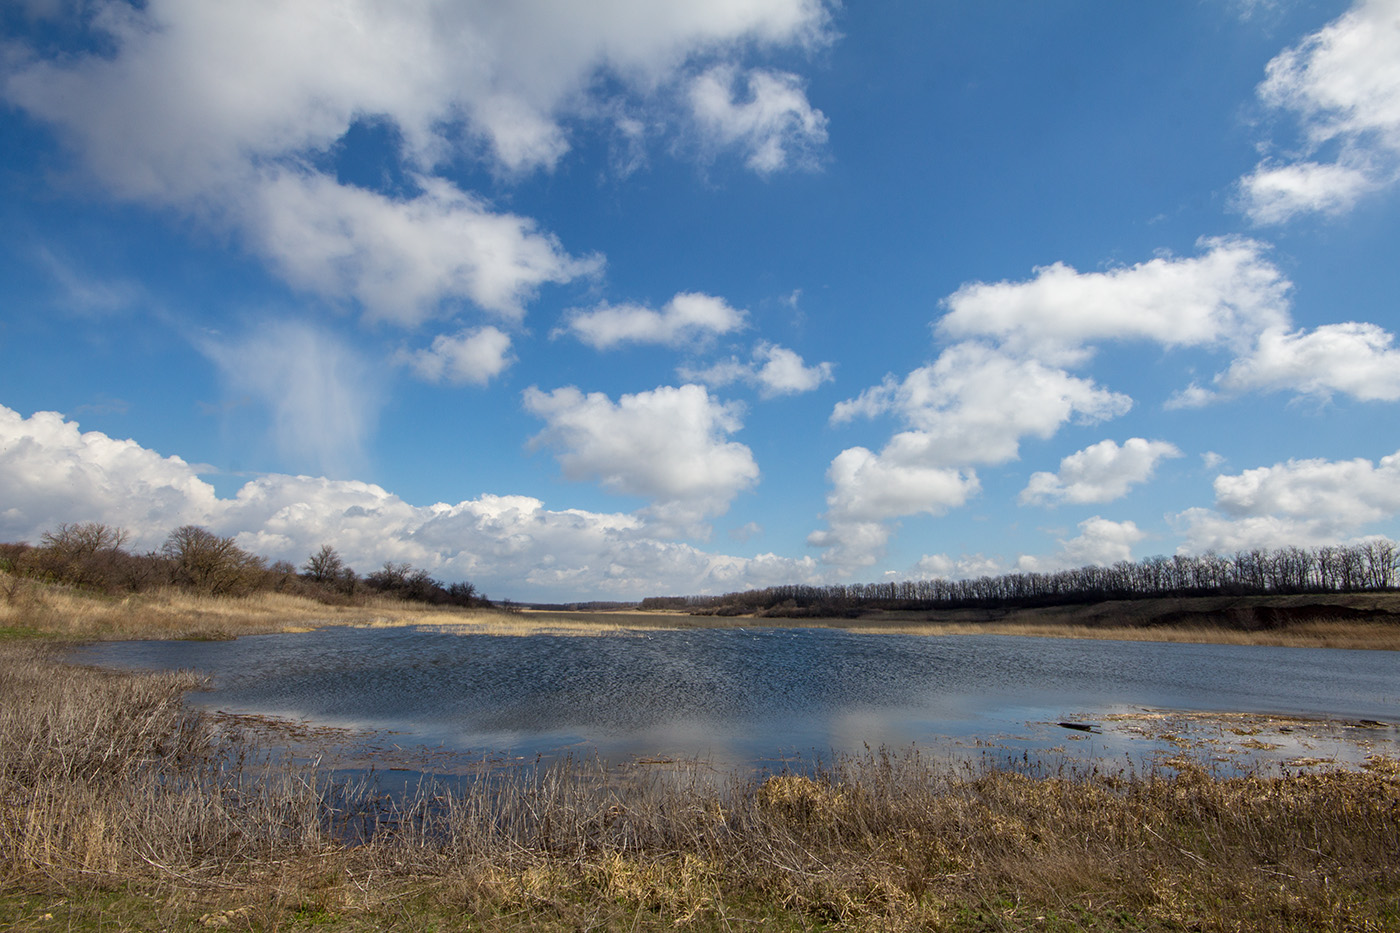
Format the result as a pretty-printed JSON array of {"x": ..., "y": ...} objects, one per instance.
[
  {"x": 84, "y": 553},
  {"x": 323, "y": 567},
  {"x": 204, "y": 561}
]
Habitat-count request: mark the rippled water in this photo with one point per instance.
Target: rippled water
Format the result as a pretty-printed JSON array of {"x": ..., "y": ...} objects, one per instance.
[{"x": 740, "y": 695}]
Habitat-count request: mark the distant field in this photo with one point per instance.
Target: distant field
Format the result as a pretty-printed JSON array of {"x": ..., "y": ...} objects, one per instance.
[
  {"x": 1358, "y": 620},
  {"x": 1353, "y": 620}
]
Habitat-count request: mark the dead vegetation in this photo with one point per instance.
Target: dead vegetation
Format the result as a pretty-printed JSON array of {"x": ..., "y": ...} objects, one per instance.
[
  {"x": 56, "y": 610},
  {"x": 121, "y": 807}
]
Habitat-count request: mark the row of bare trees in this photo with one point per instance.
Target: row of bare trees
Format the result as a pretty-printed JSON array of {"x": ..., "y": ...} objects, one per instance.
[
  {"x": 93, "y": 556},
  {"x": 1371, "y": 565}
]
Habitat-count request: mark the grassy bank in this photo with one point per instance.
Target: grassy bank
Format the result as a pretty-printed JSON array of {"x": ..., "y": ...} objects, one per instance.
[
  {"x": 55, "y": 611},
  {"x": 1356, "y": 620},
  {"x": 121, "y": 808}
]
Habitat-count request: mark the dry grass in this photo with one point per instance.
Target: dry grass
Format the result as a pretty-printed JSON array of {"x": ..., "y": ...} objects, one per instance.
[
  {"x": 1337, "y": 633},
  {"x": 29, "y": 607},
  {"x": 117, "y": 801},
  {"x": 68, "y": 613}
]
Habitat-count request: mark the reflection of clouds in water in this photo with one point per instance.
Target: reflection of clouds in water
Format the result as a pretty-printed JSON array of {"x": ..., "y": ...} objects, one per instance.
[{"x": 736, "y": 697}]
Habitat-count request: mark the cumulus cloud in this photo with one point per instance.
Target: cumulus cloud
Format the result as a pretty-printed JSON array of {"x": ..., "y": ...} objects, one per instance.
[
  {"x": 1100, "y": 542},
  {"x": 1101, "y": 472},
  {"x": 1342, "y": 83},
  {"x": 52, "y": 472},
  {"x": 322, "y": 394},
  {"x": 1225, "y": 296},
  {"x": 668, "y": 445},
  {"x": 471, "y": 357},
  {"x": 1273, "y": 193},
  {"x": 1006, "y": 373},
  {"x": 764, "y": 113},
  {"x": 976, "y": 403},
  {"x": 1298, "y": 502},
  {"x": 774, "y": 370},
  {"x": 687, "y": 317},
  {"x": 867, "y": 487},
  {"x": 402, "y": 259},
  {"x": 973, "y": 406},
  {"x": 1356, "y": 358},
  {"x": 227, "y": 114},
  {"x": 964, "y": 567}
]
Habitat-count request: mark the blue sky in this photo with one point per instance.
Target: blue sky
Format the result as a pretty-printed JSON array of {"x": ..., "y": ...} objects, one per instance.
[{"x": 632, "y": 298}]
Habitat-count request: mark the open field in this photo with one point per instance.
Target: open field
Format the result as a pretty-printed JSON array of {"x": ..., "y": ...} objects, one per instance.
[
  {"x": 121, "y": 808},
  {"x": 1366, "y": 620},
  {"x": 1353, "y": 620},
  {"x": 1358, "y": 620}
]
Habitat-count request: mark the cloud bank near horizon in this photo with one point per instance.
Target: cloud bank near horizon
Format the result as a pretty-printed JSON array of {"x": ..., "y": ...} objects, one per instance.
[{"x": 52, "y": 472}]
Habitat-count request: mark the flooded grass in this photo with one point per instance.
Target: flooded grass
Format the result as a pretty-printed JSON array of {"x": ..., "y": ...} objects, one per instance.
[{"x": 123, "y": 808}]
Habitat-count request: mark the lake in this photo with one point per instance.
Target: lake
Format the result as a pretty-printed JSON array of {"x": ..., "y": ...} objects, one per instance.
[{"x": 759, "y": 696}]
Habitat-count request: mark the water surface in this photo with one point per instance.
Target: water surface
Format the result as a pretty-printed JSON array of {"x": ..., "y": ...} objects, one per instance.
[{"x": 737, "y": 695}]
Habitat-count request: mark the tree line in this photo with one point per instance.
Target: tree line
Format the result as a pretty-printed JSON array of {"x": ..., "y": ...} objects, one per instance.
[
  {"x": 1371, "y": 565},
  {"x": 93, "y": 556}
]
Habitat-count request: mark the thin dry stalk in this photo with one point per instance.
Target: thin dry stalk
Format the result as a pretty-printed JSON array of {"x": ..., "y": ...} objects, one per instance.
[{"x": 106, "y": 779}]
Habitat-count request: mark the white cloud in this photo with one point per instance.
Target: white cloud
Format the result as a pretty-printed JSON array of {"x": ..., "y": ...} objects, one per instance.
[
  {"x": 1350, "y": 492},
  {"x": 1007, "y": 379},
  {"x": 770, "y": 118},
  {"x": 867, "y": 487},
  {"x": 472, "y": 356},
  {"x": 1356, "y": 358},
  {"x": 51, "y": 472},
  {"x": 403, "y": 260},
  {"x": 1101, "y": 472},
  {"x": 965, "y": 567},
  {"x": 687, "y": 317},
  {"x": 221, "y": 111},
  {"x": 972, "y": 406},
  {"x": 1298, "y": 502},
  {"x": 1343, "y": 84},
  {"x": 668, "y": 445},
  {"x": 774, "y": 370},
  {"x": 1274, "y": 193},
  {"x": 1100, "y": 543},
  {"x": 1225, "y": 296},
  {"x": 975, "y": 403},
  {"x": 323, "y": 396},
  {"x": 867, "y": 490},
  {"x": 1193, "y": 396}
]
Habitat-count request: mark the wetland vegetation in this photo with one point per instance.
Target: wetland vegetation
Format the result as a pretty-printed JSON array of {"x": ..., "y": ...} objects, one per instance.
[{"x": 122, "y": 806}]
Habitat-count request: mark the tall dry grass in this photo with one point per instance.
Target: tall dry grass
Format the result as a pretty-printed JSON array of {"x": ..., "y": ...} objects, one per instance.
[
  {"x": 108, "y": 782},
  {"x": 66, "y": 612},
  {"x": 1322, "y": 633}
]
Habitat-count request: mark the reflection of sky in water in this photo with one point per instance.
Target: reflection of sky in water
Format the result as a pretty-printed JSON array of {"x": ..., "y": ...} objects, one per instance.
[{"x": 741, "y": 695}]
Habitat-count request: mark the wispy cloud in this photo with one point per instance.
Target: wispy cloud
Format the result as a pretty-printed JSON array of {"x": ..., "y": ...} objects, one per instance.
[
  {"x": 323, "y": 396},
  {"x": 1342, "y": 84},
  {"x": 687, "y": 317}
]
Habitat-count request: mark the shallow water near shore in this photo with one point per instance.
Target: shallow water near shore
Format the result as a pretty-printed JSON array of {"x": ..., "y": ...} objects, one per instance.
[{"x": 437, "y": 700}]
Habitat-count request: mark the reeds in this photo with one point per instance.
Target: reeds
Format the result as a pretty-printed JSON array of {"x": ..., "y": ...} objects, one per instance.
[{"x": 108, "y": 783}]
